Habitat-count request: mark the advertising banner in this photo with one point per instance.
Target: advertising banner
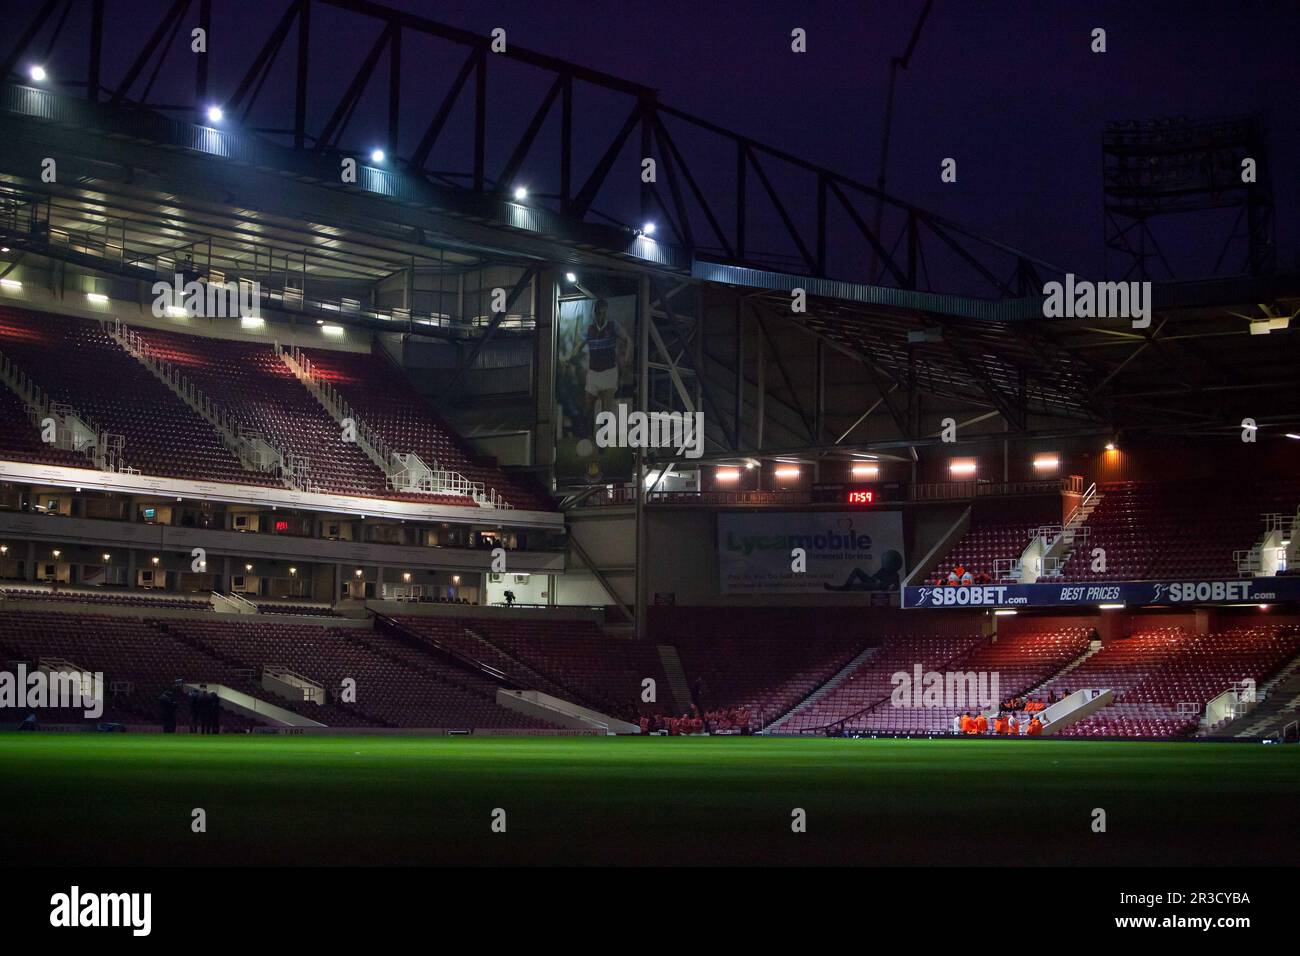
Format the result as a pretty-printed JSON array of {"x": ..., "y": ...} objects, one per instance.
[
  {"x": 595, "y": 371},
  {"x": 842, "y": 551},
  {"x": 1130, "y": 593}
]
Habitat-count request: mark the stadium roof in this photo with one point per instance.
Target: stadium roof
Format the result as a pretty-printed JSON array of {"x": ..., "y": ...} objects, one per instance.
[{"x": 945, "y": 311}]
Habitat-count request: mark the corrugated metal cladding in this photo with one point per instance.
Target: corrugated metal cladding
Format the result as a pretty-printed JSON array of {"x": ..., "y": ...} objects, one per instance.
[
  {"x": 506, "y": 354},
  {"x": 1008, "y": 310}
]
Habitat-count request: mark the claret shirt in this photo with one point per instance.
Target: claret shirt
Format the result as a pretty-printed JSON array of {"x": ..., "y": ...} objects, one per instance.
[{"x": 602, "y": 347}]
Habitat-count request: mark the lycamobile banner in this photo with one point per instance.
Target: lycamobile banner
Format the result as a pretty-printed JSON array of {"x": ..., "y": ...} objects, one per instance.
[{"x": 763, "y": 553}]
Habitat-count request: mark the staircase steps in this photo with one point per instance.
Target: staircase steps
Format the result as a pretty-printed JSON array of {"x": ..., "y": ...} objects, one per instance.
[
  {"x": 678, "y": 687},
  {"x": 1093, "y": 648},
  {"x": 836, "y": 679}
]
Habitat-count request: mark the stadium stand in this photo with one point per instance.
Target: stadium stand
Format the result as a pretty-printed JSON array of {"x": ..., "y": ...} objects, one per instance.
[
  {"x": 1155, "y": 671},
  {"x": 133, "y": 654},
  {"x": 387, "y": 402},
  {"x": 20, "y": 437},
  {"x": 397, "y": 685},
  {"x": 117, "y": 598},
  {"x": 572, "y": 660},
  {"x": 254, "y": 385},
  {"x": 869, "y": 684},
  {"x": 862, "y": 700},
  {"x": 998, "y": 533},
  {"x": 1166, "y": 530},
  {"x": 77, "y": 363},
  {"x": 296, "y": 610},
  {"x": 417, "y": 671},
  {"x": 766, "y": 675}
]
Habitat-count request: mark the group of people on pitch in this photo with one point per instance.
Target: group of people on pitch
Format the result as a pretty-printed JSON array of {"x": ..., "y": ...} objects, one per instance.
[
  {"x": 204, "y": 707},
  {"x": 1003, "y": 725},
  {"x": 725, "y": 720}
]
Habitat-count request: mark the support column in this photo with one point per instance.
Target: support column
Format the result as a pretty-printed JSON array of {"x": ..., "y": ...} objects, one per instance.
[
  {"x": 545, "y": 313},
  {"x": 740, "y": 373},
  {"x": 643, "y": 402},
  {"x": 819, "y": 408},
  {"x": 760, "y": 356}
]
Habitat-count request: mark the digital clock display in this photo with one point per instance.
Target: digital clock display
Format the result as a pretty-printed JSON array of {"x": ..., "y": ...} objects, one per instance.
[{"x": 856, "y": 493}]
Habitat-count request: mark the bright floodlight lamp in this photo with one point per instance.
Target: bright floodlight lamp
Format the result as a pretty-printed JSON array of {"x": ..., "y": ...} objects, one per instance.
[
  {"x": 37, "y": 73},
  {"x": 571, "y": 277},
  {"x": 648, "y": 229},
  {"x": 215, "y": 115},
  {"x": 521, "y": 193},
  {"x": 377, "y": 156}
]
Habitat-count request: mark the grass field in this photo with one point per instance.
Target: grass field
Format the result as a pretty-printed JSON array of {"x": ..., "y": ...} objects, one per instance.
[{"x": 91, "y": 798}]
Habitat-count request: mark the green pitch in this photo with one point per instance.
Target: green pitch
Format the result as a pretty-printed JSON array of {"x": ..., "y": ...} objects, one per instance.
[{"x": 91, "y": 798}]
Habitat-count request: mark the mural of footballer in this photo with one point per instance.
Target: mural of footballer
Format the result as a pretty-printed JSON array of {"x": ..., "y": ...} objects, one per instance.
[{"x": 608, "y": 349}]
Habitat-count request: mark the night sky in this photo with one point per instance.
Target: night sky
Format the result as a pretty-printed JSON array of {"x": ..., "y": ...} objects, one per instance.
[{"x": 1010, "y": 89}]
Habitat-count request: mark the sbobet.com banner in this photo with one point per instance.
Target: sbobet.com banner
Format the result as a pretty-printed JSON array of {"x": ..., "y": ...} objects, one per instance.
[
  {"x": 844, "y": 551},
  {"x": 1131, "y": 593}
]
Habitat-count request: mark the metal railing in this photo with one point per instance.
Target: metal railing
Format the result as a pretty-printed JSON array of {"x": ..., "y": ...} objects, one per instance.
[
  {"x": 977, "y": 488},
  {"x": 105, "y": 451},
  {"x": 404, "y": 471},
  {"x": 246, "y": 445}
]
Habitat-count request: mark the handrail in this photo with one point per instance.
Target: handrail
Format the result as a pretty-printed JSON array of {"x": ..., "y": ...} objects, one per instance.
[
  {"x": 107, "y": 451},
  {"x": 975, "y": 488},
  {"x": 291, "y": 469},
  {"x": 405, "y": 471},
  {"x": 1083, "y": 503}
]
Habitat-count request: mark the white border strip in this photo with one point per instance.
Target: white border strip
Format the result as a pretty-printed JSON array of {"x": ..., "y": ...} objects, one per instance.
[{"x": 38, "y": 474}]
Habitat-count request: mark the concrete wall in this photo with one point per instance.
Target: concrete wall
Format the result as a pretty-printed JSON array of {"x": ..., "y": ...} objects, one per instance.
[{"x": 534, "y": 589}]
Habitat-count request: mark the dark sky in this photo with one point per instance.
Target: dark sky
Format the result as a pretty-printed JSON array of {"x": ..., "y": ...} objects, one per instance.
[{"x": 1010, "y": 89}]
